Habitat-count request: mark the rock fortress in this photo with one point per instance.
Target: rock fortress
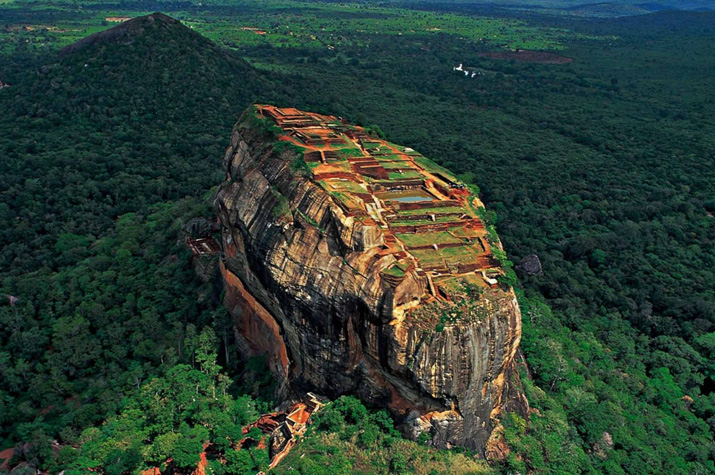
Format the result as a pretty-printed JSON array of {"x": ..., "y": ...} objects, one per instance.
[{"x": 362, "y": 267}]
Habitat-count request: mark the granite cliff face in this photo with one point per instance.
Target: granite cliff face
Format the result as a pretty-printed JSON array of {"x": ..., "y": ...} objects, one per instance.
[{"x": 339, "y": 263}]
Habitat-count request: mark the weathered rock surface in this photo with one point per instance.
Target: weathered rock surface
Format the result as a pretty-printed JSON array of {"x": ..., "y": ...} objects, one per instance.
[
  {"x": 531, "y": 265},
  {"x": 303, "y": 283}
]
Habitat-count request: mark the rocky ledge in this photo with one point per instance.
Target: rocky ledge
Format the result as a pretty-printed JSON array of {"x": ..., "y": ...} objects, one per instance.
[{"x": 360, "y": 267}]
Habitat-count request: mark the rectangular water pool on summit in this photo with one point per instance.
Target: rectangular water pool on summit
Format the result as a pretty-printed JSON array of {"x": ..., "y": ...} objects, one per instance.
[{"x": 410, "y": 196}]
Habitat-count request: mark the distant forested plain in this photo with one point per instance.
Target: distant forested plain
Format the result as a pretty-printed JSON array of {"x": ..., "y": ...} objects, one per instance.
[{"x": 603, "y": 166}]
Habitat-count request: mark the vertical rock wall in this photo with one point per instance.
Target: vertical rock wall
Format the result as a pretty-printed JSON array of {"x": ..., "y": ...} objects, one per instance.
[{"x": 303, "y": 285}]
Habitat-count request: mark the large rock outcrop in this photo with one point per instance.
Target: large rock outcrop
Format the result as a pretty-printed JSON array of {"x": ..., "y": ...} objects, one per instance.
[{"x": 309, "y": 283}]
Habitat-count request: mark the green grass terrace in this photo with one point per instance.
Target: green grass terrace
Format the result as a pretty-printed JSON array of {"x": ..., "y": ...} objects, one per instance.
[
  {"x": 435, "y": 210},
  {"x": 427, "y": 239}
]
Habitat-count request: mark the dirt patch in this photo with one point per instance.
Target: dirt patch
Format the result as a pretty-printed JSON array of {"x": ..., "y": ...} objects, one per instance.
[
  {"x": 5, "y": 457},
  {"x": 526, "y": 56}
]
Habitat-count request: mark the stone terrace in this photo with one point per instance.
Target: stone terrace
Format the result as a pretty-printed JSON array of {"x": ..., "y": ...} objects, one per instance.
[{"x": 427, "y": 215}]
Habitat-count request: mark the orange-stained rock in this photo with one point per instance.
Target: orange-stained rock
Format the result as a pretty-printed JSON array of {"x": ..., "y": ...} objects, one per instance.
[
  {"x": 255, "y": 325},
  {"x": 305, "y": 283}
]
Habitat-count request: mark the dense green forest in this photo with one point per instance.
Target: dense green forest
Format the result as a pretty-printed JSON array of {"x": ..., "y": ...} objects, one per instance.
[
  {"x": 603, "y": 167},
  {"x": 99, "y": 158}
]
